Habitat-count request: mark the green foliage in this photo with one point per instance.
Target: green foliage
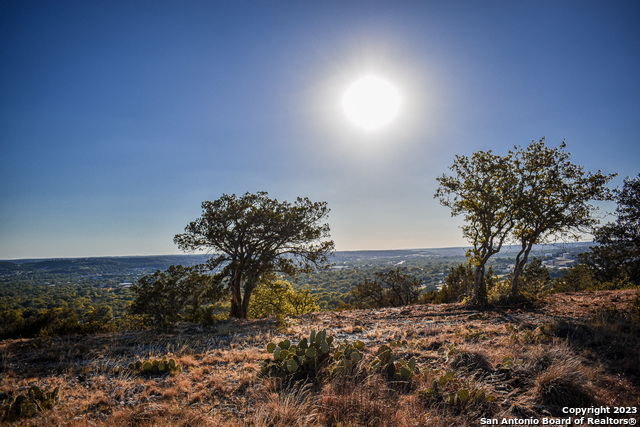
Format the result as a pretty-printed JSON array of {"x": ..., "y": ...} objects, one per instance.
[
  {"x": 481, "y": 189},
  {"x": 536, "y": 280},
  {"x": 177, "y": 294},
  {"x": 25, "y": 406},
  {"x": 346, "y": 358},
  {"x": 394, "y": 368},
  {"x": 500, "y": 294},
  {"x": 531, "y": 195},
  {"x": 447, "y": 388},
  {"x": 253, "y": 236},
  {"x": 552, "y": 198},
  {"x": 617, "y": 256},
  {"x": 309, "y": 358},
  {"x": 278, "y": 298},
  {"x": 577, "y": 278},
  {"x": 302, "y": 361},
  {"x": 389, "y": 289},
  {"x": 155, "y": 367},
  {"x": 458, "y": 284}
]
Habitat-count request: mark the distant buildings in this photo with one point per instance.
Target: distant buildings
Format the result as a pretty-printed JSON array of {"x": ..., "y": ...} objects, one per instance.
[{"x": 562, "y": 262}]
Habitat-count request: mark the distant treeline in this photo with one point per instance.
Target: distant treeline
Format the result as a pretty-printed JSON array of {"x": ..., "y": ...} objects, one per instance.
[{"x": 52, "y": 297}]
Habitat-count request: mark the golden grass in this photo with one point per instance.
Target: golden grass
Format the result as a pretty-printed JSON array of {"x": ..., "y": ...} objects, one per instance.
[{"x": 574, "y": 350}]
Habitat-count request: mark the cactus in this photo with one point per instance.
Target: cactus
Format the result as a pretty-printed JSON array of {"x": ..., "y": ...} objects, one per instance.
[
  {"x": 155, "y": 367},
  {"x": 346, "y": 357},
  {"x": 27, "y": 406},
  {"x": 449, "y": 389},
  {"x": 396, "y": 369},
  {"x": 301, "y": 361}
]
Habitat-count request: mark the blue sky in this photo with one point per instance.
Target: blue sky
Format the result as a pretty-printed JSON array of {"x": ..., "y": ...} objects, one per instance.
[{"x": 118, "y": 118}]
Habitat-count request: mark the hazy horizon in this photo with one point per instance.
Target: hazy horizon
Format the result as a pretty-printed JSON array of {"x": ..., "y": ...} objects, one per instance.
[{"x": 506, "y": 249}]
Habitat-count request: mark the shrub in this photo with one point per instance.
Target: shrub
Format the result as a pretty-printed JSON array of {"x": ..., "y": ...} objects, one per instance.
[
  {"x": 176, "y": 294},
  {"x": 388, "y": 289},
  {"x": 278, "y": 298}
]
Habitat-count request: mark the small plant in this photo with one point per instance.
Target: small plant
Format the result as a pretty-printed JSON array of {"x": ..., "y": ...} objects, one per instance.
[
  {"x": 507, "y": 364},
  {"x": 448, "y": 351},
  {"x": 27, "y": 406},
  {"x": 542, "y": 334},
  {"x": 302, "y": 361},
  {"x": 396, "y": 369},
  {"x": 155, "y": 367},
  {"x": 346, "y": 357},
  {"x": 447, "y": 388}
]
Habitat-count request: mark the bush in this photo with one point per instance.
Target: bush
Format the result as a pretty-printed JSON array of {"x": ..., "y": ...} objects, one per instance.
[
  {"x": 278, "y": 298},
  {"x": 388, "y": 289},
  {"x": 176, "y": 294}
]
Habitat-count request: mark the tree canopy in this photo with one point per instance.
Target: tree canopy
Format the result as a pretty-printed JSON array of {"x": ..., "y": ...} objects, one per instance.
[
  {"x": 180, "y": 293},
  {"x": 528, "y": 196},
  {"x": 393, "y": 288},
  {"x": 617, "y": 255},
  {"x": 254, "y": 235},
  {"x": 552, "y": 198},
  {"x": 481, "y": 189}
]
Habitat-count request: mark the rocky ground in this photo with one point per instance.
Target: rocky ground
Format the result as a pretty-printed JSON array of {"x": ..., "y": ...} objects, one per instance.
[{"x": 571, "y": 350}]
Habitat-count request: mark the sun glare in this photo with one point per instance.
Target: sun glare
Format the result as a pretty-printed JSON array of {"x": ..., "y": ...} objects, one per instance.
[{"x": 371, "y": 103}]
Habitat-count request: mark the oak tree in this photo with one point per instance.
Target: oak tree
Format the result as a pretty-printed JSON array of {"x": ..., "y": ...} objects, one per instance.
[
  {"x": 254, "y": 235},
  {"x": 552, "y": 199},
  {"x": 481, "y": 189}
]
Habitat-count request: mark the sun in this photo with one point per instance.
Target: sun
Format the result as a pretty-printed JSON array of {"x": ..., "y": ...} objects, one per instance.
[{"x": 371, "y": 103}]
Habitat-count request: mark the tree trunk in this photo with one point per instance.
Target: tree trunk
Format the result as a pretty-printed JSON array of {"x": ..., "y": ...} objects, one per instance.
[
  {"x": 237, "y": 306},
  {"x": 479, "y": 287},
  {"x": 519, "y": 268},
  {"x": 245, "y": 301}
]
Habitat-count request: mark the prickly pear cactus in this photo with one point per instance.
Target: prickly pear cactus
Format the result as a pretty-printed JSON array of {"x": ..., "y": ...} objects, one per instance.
[
  {"x": 155, "y": 367},
  {"x": 396, "y": 369},
  {"x": 346, "y": 357},
  {"x": 301, "y": 361},
  {"x": 27, "y": 406}
]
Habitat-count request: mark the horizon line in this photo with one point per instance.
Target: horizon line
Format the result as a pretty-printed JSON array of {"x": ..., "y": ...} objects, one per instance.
[{"x": 204, "y": 253}]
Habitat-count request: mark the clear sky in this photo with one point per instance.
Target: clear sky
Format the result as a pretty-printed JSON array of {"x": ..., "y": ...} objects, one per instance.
[{"x": 118, "y": 118}]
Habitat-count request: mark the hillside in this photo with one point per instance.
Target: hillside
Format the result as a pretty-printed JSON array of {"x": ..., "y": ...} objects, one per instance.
[{"x": 574, "y": 350}]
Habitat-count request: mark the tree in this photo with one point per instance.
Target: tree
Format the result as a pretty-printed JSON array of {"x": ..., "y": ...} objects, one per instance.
[
  {"x": 617, "y": 255},
  {"x": 253, "y": 236},
  {"x": 552, "y": 198},
  {"x": 536, "y": 280},
  {"x": 369, "y": 293},
  {"x": 481, "y": 189},
  {"x": 530, "y": 195},
  {"x": 176, "y": 294},
  {"x": 388, "y": 289},
  {"x": 459, "y": 283},
  {"x": 575, "y": 279}
]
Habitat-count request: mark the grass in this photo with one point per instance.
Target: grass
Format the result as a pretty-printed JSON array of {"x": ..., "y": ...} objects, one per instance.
[{"x": 574, "y": 350}]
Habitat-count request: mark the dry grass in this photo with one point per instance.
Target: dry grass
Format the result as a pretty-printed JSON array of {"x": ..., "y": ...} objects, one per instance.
[{"x": 574, "y": 350}]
